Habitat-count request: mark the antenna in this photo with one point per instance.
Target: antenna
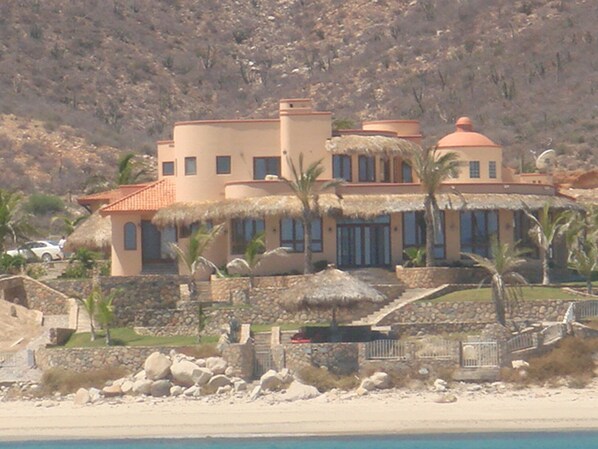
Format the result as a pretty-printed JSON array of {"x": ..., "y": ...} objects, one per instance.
[{"x": 546, "y": 161}]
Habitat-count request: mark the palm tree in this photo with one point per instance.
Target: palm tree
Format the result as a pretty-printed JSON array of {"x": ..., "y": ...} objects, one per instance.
[
  {"x": 504, "y": 261},
  {"x": 433, "y": 170},
  {"x": 69, "y": 224},
  {"x": 581, "y": 234},
  {"x": 105, "y": 312},
  {"x": 192, "y": 255},
  {"x": 305, "y": 188},
  {"x": 126, "y": 170},
  {"x": 89, "y": 305},
  {"x": 254, "y": 255},
  {"x": 545, "y": 228},
  {"x": 13, "y": 223}
]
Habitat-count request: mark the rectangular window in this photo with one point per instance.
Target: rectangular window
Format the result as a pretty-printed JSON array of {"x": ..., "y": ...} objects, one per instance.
[
  {"x": 367, "y": 169},
  {"x": 406, "y": 172},
  {"x": 385, "y": 170},
  {"x": 242, "y": 232},
  {"x": 292, "y": 237},
  {"x": 168, "y": 168},
  {"x": 492, "y": 169},
  {"x": 521, "y": 229},
  {"x": 223, "y": 165},
  {"x": 476, "y": 229},
  {"x": 474, "y": 169},
  {"x": 341, "y": 167},
  {"x": 190, "y": 166},
  {"x": 414, "y": 233},
  {"x": 130, "y": 236},
  {"x": 263, "y": 166}
]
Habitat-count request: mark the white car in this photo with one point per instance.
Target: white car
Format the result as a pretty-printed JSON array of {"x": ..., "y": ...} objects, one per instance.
[{"x": 46, "y": 250}]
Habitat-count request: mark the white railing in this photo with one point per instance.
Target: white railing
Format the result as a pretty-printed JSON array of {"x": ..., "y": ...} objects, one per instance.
[
  {"x": 553, "y": 333},
  {"x": 522, "y": 341},
  {"x": 8, "y": 359},
  {"x": 480, "y": 354},
  {"x": 586, "y": 309},
  {"x": 386, "y": 349}
]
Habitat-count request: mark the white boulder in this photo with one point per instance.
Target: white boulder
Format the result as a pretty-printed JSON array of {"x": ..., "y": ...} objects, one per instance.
[
  {"x": 186, "y": 373},
  {"x": 367, "y": 384},
  {"x": 216, "y": 364},
  {"x": 298, "y": 391},
  {"x": 271, "y": 380},
  {"x": 219, "y": 380},
  {"x": 142, "y": 386},
  {"x": 157, "y": 366},
  {"x": 518, "y": 364},
  {"x": 82, "y": 397},
  {"x": 381, "y": 380},
  {"x": 160, "y": 388}
]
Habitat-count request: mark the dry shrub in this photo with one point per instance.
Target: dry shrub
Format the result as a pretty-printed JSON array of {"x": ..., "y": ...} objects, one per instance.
[
  {"x": 572, "y": 357},
  {"x": 200, "y": 351},
  {"x": 324, "y": 380},
  {"x": 68, "y": 381}
]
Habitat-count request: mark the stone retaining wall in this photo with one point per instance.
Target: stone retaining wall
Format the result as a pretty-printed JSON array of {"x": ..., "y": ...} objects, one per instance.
[
  {"x": 240, "y": 357},
  {"x": 83, "y": 359},
  {"x": 431, "y": 277},
  {"x": 34, "y": 295},
  {"x": 338, "y": 358},
  {"x": 475, "y": 312}
]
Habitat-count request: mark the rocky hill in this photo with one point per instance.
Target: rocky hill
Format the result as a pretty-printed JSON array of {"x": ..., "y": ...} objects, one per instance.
[{"x": 89, "y": 79}]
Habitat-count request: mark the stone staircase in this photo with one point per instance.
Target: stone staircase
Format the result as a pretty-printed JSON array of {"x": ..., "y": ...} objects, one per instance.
[{"x": 409, "y": 296}]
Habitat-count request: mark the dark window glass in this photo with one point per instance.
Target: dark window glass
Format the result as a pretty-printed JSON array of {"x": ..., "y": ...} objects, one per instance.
[
  {"x": 263, "y": 166},
  {"x": 223, "y": 165},
  {"x": 474, "y": 169},
  {"x": 477, "y": 228},
  {"x": 521, "y": 228},
  {"x": 385, "y": 170},
  {"x": 243, "y": 231},
  {"x": 341, "y": 167},
  {"x": 414, "y": 233},
  {"x": 407, "y": 172},
  {"x": 190, "y": 166},
  {"x": 492, "y": 169},
  {"x": 292, "y": 237},
  {"x": 367, "y": 169},
  {"x": 168, "y": 168},
  {"x": 130, "y": 232}
]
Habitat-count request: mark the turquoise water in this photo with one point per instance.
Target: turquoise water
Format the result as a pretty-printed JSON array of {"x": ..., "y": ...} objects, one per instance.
[{"x": 577, "y": 440}]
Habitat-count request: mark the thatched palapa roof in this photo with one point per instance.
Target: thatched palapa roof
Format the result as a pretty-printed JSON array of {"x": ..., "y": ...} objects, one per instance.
[
  {"x": 353, "y": 206},
  {"x": 330, "y": 288},
  {"x": 95, "y": 234},
  {"x": 185, "y": 213},
  {"x": 371, "y": 145}
]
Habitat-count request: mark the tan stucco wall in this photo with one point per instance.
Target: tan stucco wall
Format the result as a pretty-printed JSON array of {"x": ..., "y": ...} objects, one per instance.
[
  {"x": 241, "y": 140},
  {"x": 403, "y": 128},
  {"x": 483, "y": 155},
  {"x": 125, "y": 263},
  {"x": 166, "y": 152},
  {"x": 452, "y": 226}
]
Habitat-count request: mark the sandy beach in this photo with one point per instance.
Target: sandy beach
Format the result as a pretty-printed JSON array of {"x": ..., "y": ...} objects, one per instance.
[{"x": 389, "y": 412}]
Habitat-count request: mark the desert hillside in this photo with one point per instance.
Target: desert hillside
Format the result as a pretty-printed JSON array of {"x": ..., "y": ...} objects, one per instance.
[{"x": 87, "y": 80}]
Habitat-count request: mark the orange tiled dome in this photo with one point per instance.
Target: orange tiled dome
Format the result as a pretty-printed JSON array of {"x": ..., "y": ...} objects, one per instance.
[{"x": 465, "y": 137}]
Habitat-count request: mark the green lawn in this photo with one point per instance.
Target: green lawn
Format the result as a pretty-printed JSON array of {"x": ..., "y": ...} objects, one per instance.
[
  {"x": 528, "y": 294},
  {"x": 125, "y": 336}
]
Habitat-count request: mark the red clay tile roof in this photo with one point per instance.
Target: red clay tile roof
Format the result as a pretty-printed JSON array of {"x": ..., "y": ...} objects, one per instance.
[
  {"x": 109, "y": 196},
  {"x": 150, "y": 198}
]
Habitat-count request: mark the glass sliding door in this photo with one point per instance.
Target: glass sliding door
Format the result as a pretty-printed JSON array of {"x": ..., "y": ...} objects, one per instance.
[{"x": 363, "y": 243}]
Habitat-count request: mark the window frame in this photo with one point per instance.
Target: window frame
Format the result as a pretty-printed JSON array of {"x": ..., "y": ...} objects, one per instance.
[
  {"x": 170, "y": 164},
  {"x": 130, "y": 232},
  {"x": 480, "y": 240},
  {"x": 238, "y": 243},
  {"x": 368, "y": 163},
  {"x": 474, "y": 169},
  {"x": 297, "y": 242},
  {"x": 420, "y": 233},
  {"x": 228, "y": 162},
  {"x": 406, "y": 168},
  {"x": 338, "y": 167},
  {"x": 267, "y": 160},
  {"x": 492, "y": 172},
  {"x": 188, "y": 171}
]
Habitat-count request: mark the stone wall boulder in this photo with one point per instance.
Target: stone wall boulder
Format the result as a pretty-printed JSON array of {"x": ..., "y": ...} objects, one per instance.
[
  {"x": 142, "y": 386},
  {"x": 271, "y": 380},
  {"x": 160, "y": 388},
  {"x": 219, "y": 380},
  {"x": 186, "y": 373},
  {"x": 157, "y": 366},
  {"x": 216, "y": 364}
]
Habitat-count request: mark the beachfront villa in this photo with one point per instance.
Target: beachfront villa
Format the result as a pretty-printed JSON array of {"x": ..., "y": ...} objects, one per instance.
[{"x": 228, "y": 171}]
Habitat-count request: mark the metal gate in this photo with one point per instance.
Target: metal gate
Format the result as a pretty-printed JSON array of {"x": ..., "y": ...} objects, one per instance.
[
  {"x": 480, "y": 354},
  {"x": 262, "y": 362}
]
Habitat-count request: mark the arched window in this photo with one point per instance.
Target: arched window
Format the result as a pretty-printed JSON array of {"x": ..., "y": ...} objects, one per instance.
[{"x": 130, "y": 236}]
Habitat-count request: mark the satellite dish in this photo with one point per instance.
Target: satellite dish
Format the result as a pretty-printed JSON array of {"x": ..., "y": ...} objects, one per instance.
[{"x": 546, "y": 160}]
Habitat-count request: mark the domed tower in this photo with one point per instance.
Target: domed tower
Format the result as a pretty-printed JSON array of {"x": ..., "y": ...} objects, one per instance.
[{"x": 481, "y": 157}]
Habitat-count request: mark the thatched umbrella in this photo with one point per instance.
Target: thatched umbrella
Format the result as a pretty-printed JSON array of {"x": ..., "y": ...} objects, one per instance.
[
  {"x": 371, "y": 145},
  {"x": 95, "y": 233},
  {"x": 330, "y": 289}
]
